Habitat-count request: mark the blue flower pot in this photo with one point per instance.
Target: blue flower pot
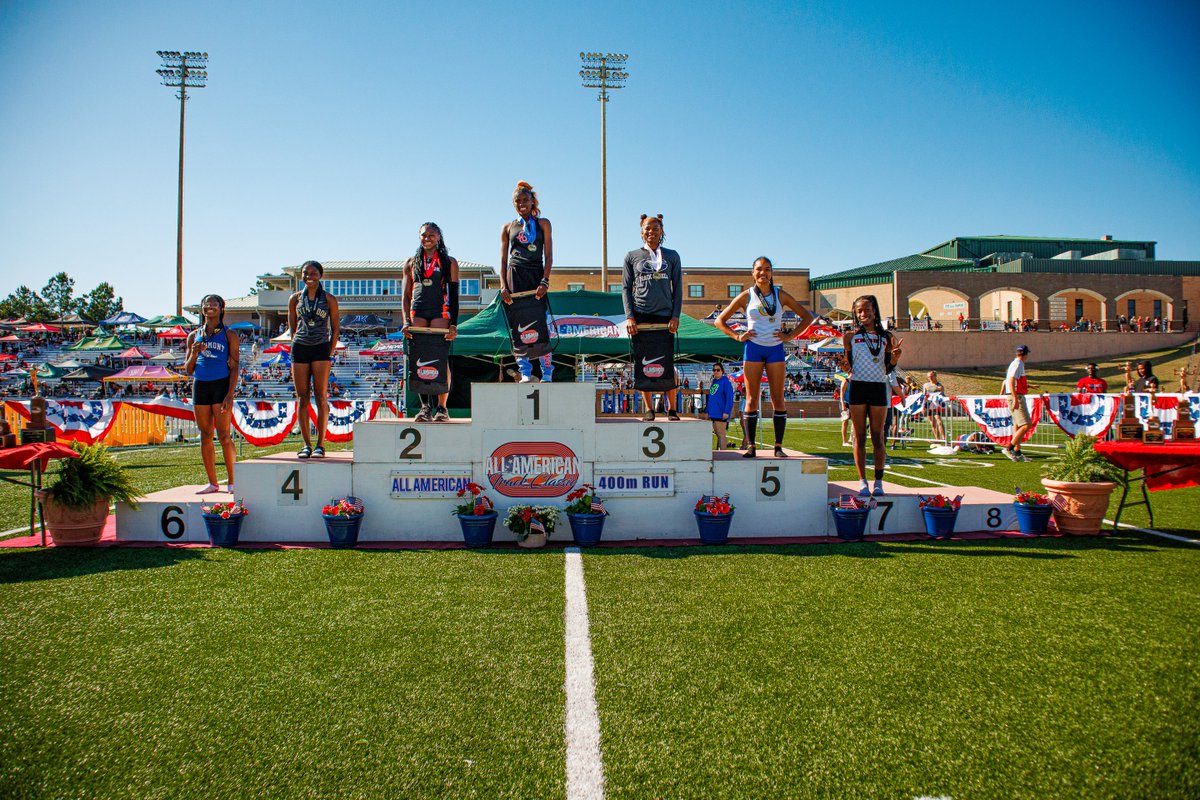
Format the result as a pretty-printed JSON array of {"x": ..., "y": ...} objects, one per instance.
[
  {"x": 714, "y": 528},
  {"x": 223, "y": 532},
  {"x": 342, "y": 531},
  {"x": 586, "y": 528},
  {"x": 1032, "y": 520},
  {"x": 939, "y": 522},
  {"x": 851, "y": 523},
  {"x": 477, "y": 531}
]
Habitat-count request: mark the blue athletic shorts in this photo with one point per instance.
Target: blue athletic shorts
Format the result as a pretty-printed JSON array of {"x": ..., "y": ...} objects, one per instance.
[{"x": 765, "y": 355}]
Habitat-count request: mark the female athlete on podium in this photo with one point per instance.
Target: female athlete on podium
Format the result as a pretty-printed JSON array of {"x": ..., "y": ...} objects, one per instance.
[
  {"x": 212, "y": 361},
  {"x": 313, "y": 320},
  {"x": 870, "y": 355},
  {"x": 764, "y": 337},
  {"x": 652, "y": 291},
  {"x": 526, "y": 258},
  {"x": 431, "y": 300}
]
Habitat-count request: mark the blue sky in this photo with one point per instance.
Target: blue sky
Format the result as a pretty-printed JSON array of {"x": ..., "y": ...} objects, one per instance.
[{"x": 826, "y": 135}]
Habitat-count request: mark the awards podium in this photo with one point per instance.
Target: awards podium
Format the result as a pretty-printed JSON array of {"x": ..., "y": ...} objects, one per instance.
[{"x": 532, "y": 443}]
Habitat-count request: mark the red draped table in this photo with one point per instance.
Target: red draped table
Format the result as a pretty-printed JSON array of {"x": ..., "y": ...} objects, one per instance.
[
  {"x": 34, "y": 458},
  {"x": 1171, "y": 465}
]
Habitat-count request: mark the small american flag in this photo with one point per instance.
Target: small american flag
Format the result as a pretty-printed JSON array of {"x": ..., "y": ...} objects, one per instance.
[
  {"x": 536, "y": 526},
  {"x": 958, "y": 500},
  {"x": 482, "y": 500},
  {"x": 356, "y": 504},
  {"x": 597, "y": 506},
  {"x": 847, "y": 501},
  {"x": 1059, "y": 502},
  {"x": 725, "y": 497}
]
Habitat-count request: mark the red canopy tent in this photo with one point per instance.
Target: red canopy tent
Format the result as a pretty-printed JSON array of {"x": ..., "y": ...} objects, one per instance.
[
  {"x": 279, "y": 348},
  {"x": 133, "y": 352},
  {"x": 10, "y": 339},
  {"x": 6, "y": 356},
  {"x": 816, "y": 330},
  {"x": 40, "y": 327},
  {"x": 150, "y": 373},
  {"x": 174, "y": 333}
]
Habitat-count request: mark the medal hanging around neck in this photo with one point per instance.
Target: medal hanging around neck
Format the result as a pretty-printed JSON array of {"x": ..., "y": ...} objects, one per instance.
[
  {"x": 770, "y": 307},
  {"x": 874, "y": 349},
  {"x": 309, "y": 308},
  {"x": 529, "y": 231},
  {"x": 432, "y": 264}
]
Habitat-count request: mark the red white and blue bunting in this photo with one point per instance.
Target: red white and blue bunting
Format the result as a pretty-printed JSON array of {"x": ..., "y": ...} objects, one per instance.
[
  {"x": 1166, "y": 408},
  {"x": 342, "y": 416},
  {"x": 994, "y": 417},
  {"x": 1092, "y": 414},
  {"x": 167, "y": 407},
  {"x": 264, "y": 423},
  {"x": 86, "y": 421}
]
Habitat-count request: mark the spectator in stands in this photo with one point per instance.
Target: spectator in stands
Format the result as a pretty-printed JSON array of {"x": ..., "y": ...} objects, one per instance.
[
  {"x": 1091, "y": 383},
  {"x": 212, "y": 360},
  {"x": 431, "y": 301},
  {"x": 314, "y": 321},
  {"x": 720, "y": 404},
  {"x": 764, "y": 337}
]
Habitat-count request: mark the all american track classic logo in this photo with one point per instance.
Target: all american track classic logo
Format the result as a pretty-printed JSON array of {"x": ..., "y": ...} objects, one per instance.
[{"x": 533, "y": 469}]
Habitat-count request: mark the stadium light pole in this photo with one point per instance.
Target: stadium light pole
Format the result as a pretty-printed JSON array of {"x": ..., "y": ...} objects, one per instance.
[
  {"x": 182, "y": 71},
  {"x": 603, "y": 71}
]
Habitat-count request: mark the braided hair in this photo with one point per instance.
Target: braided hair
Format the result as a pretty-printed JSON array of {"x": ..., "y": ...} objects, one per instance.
[
  {"x": 443, "y": 254},
  {"x": 879, "y": 330},
  {"x": 658, "y": 217}
]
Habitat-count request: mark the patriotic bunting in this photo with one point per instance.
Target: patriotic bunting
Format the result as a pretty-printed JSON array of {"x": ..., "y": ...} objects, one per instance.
[
  {"x": 342, "y": 416},
  {"x": 994, "y": 417},
  {"x": 1092, "y": 414},
  {"x": 1166, "y": 408},
  {"x": 86, "y": 421},
  {"x": 176, "y": 409},
  {"x": 264, "y": 423}
]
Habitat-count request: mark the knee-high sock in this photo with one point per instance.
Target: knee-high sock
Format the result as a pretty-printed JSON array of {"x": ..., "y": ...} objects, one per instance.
[
  {"x": 750, "y": 424},
  {"x": 779, "y": 419}
]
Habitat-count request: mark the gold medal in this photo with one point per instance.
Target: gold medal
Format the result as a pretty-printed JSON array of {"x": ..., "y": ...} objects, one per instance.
[
  {"x": 532, "y": 248},
  {"x": 427, "y": 282}
]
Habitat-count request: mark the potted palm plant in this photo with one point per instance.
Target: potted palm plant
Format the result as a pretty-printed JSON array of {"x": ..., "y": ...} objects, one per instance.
[
  {"x": 1080, "y": 481},
  {"x": 75, "y": 502}
]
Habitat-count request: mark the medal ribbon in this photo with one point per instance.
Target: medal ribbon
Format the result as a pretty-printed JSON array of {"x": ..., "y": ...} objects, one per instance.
[
  {"x": 530, "y": 227},
  {"x": 770, "y": 307},
  {"x": 431, "y": 264}
]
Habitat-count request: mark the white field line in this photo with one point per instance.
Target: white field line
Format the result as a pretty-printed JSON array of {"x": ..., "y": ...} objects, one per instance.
[{"x": 585, "y": 767}]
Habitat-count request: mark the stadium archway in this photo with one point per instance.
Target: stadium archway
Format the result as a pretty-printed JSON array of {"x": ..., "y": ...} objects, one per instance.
[
  {"x": 1068, "y": 306},
  {"x": 1008, "y": 304},
  {"x": 938, "y": 303}
]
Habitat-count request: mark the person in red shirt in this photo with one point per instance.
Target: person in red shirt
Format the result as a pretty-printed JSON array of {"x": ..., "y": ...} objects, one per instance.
[{"x": 1092, "y": 384}]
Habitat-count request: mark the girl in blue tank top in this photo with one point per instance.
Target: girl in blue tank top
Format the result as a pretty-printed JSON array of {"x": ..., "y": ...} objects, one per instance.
[{"x": 212, "y": 361}]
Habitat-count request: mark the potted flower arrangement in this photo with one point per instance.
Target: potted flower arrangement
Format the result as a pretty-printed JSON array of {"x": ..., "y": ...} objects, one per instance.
[
  {"x": 476, "y": 516},
  {"x": 531, "y": 524},
  {"x": 714, "y": 515},
  {"x": 343, "y": 519},
  {"x": 850, "y": 515},
  {"x": 586, "y": 514},
  {"x": 940, "y": 513},
  {"x": 224, "y": 522},
  {"x": 75, "y": 503},
  {"x": 1079, "y": 482},
  {"x": 1033, "y": 512}
]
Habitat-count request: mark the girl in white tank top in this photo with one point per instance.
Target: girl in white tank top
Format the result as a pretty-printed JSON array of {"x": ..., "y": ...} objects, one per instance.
[{"x": 763, "y": 317}]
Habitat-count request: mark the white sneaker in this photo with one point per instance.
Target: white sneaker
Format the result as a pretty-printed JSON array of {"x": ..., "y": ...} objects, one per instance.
[
  {"x": 865, "y": 491},
  {"x": 229, "y": 488},
  {"x": 526, "y": 379},
  {"x": 1009, "y": 453},
  {"x": 878, "y": 491}
]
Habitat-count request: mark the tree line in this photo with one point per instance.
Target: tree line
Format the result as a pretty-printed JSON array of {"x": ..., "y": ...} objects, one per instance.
[{"x": 57, "y": 300}]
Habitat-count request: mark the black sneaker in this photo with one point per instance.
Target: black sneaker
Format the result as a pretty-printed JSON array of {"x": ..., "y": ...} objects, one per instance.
[
  {"x": 423, "y": 415},
  {"x": 441, "y": 415},
  {"x": 673, "y": 415},
  {"x": 750, "y": 453},
  {"x": 779, "y": 453},
  {"x": 648, "y": 416}
]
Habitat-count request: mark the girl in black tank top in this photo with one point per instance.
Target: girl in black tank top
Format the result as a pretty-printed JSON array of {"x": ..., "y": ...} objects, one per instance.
[
  {"x": 431, "y": 301},
  {"x": 526, "y": 258}
]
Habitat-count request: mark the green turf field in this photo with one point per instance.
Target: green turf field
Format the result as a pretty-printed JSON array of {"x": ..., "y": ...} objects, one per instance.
[{"x": 1061, "y": 668}]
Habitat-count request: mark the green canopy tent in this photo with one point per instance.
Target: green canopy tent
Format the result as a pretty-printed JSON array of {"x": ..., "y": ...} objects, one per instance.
[
  {"x": 483, "y": 345},
  {"x": 98, "y": 343}
]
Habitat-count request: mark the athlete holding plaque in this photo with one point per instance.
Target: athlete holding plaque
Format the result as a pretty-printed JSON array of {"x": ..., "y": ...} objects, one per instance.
[
  {"x": 764, "y": 337},
  {"x": 431, "y": 301},
  {"x": 313, "y": 320},
  {"x": 870, "y": 355},
  {"x": 652, "y": 291},
  {"x": 526, "y": 258}
]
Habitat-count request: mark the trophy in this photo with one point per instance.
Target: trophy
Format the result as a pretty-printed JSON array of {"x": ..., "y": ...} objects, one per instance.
[
  {"x": 1129, "y": 429},
  {"x": 1154, "y": 431},
  {"x": 1185, "y": 429},
  {"x": 37, "y": 430},
  {"x": 7, "y": 437}
]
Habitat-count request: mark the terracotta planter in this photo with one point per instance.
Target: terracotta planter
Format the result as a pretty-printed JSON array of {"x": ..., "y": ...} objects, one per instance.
[
  {"x": 1085, "y": 505},
  {"x": 71, "y": 526}
]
